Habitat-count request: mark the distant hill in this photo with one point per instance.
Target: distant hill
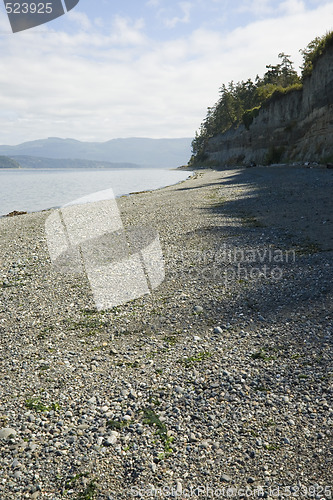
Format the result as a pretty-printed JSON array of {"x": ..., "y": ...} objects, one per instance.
[
  {"x": 6, "y": 162},
  {"x": 140, "y": 151},
  {"x": 40, "y": 162}
]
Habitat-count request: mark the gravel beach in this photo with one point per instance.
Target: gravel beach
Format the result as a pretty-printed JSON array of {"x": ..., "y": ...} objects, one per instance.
[{"x": 218, "y": 384}]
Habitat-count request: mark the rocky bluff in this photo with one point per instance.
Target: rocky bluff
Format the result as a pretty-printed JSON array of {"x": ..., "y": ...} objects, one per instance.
[{"x": 297, "y": 126}]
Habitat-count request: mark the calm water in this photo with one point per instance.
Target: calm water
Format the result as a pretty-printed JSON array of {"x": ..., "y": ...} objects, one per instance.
[{"x": 33, "y": 190}]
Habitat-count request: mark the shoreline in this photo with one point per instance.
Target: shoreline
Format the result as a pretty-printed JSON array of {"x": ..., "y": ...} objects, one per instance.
[
  {"x": 219, "y": 378},
  {"x": 15, "y": 212}
]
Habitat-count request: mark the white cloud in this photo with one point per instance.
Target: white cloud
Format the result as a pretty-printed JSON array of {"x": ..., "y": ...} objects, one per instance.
[
  {"x": 185, "y": 8},
  {"x": 257, "y": 7},
  {"x": 92, "y": 86},
  {"x": 291, "y": 7},
  {"x": 81, "y": 19},
  {"x": 153, "y": 3},
  {"x": 126, "y": 32},
  {"x": 264, "y": 8}
]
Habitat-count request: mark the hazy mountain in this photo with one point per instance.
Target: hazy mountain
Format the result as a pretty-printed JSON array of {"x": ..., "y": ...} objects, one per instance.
[
  {"x": 41, "y": 162},
  {"x": 141, "y": 151}
]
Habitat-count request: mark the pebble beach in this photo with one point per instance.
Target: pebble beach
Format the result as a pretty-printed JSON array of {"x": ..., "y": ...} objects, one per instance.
[{"x": 218, "y": 384}]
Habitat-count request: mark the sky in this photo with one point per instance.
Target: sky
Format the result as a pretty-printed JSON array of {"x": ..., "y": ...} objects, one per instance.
[{"x": 147, "y": 68}]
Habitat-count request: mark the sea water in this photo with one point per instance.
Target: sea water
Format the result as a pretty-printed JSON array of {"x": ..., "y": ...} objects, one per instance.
[{"x": 31, "y": 190}]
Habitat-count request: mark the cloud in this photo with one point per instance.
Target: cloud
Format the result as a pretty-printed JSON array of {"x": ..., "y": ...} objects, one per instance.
[
  {"x": 257, "y": 7},
  {"x": 185, "y": 8},
  {"x": 124, "y": 31},
  {"x": 120, "y": 83},
  {"x": 265, "y": 8},
  {"x": 166, "y": 14},
  {"x": 81, "y": 19},
  {"x": 153, "y": 3},
  {"x": 291, "y": 7}
]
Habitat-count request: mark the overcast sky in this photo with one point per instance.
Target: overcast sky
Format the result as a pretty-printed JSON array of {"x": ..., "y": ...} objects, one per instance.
[{"x": 142, "y": 68}]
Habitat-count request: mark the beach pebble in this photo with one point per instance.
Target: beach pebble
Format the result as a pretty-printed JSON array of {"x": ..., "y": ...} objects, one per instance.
[
  {"x": 7, "y": 432},
  {"x": 225, "y": 478}
]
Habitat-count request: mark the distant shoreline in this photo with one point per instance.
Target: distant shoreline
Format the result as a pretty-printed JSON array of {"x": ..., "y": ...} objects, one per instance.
[{"x": 87, "y": 168}]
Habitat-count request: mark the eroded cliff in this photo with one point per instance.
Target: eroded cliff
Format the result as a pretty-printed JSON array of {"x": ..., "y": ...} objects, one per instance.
[{"x": 297, "y": 126}]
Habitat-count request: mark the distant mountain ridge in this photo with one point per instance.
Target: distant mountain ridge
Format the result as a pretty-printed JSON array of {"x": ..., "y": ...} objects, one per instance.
[{"x": 162, "y": 153}]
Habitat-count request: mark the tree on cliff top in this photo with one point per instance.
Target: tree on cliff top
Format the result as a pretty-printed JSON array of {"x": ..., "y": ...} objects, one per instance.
[
  {"x": 313, "y": 51},
  {"x": 237, "y": 98}
]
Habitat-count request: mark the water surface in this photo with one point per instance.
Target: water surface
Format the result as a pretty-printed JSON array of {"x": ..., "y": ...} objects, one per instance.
[{"x": 33, "y": 190}]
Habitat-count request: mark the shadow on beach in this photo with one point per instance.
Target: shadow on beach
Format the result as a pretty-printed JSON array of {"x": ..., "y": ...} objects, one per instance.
[
  {"x": 298, "y": 201},
  {"x": 289, "y": 211}
]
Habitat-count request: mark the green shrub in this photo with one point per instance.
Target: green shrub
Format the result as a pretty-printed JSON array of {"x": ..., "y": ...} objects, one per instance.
[
  {"x": 313, "y": 51},
  {"x": 274, "y": 155},
  {"x": 279, "y": 92},
  {"x": 249, "y": 116},
  {"x": 37, "y": 405}
]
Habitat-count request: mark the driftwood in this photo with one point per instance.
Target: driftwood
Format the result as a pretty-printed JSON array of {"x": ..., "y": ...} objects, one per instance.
[{"x": 15, "y": 212}]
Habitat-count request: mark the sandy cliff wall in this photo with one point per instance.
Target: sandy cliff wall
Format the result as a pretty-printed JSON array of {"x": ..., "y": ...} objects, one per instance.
[{"x": 295, "y": 127}]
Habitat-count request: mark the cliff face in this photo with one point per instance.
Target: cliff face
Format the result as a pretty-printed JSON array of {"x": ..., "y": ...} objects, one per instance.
[{"x": 294, "y": 127}]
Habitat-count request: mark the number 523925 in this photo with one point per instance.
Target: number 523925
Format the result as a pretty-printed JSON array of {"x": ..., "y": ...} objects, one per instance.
[{"x": 29, "y": 8}]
